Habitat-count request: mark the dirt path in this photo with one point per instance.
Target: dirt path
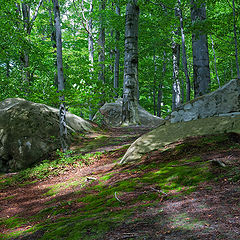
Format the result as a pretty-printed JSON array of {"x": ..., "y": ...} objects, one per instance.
[{"x": 140, "y": 209}]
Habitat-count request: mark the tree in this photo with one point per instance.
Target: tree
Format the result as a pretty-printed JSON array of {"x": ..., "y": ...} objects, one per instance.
[
  {"x": 201, "y": 71},
  {"x": 184, "y": 55},
  {"x": 62, "y": 108},
  {"x": 176, "y": 90},
  {"x": 24, "y": 10},
  {"x": 235, "y": 38},
  {"x": 117, "y": 55},
  {"x": 130, "y": 85},
  {"x": 101, "y": 43}
]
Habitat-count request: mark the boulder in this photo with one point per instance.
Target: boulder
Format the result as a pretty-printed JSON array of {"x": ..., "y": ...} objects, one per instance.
[
  {"x": 30, "y": 131},
  {"x": 224, "y": 100},
  {"x": 111, "y": 115},
  {"x": 172, "y": 132}
]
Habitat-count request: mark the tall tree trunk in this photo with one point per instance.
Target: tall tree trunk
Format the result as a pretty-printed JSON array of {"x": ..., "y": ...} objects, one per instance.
[
  {"x": 154, "y": 83},
  {"x": 184, "y": 55},
  {"x": 176, "y": 89},
  {"x": 235, "y": 38},
  {"x": 53, "y": 40},
  {"x": 27, "y": 26},
  {"x": 117, "y": 57},
  {"x": 159, "y": 100},
  {"x": 215, "y": 62},
  {"x": 101, "y": 42},
  {"x": 201, "y": 71},
  {"x": 130, "y": 113},
  {"x": 7, "y": 68},
  {"x": 160, "y": 86},
  {"x": 90, "y": 38},
  {"x": 62, "y": 108},
  {"x": 91, "y": 51},
  {"x": 25, "y": 53}
]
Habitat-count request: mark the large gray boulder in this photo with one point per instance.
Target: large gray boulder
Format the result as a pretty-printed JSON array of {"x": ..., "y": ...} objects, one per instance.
[
  {"x": 172, "y": 132},
  {"x": 111, "y": 115},
  {"x": 30, "y": 131},
  {"x": 223, "y": 101}
]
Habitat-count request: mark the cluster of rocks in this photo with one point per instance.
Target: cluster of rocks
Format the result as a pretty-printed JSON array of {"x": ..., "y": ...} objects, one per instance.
[
  {"x": 30, "y": 131},
  {"x": 222, "y": 102}
]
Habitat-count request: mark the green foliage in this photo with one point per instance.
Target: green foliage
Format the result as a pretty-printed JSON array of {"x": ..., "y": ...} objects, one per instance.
[{"x": 84, "y": 92}]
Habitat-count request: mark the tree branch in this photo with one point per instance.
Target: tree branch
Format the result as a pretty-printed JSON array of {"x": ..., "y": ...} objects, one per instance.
[
  {"x": 34, "y": 16},
  {"x": 82, "y": 20}
]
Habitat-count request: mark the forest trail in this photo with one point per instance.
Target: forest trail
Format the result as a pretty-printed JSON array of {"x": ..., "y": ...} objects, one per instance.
[{"x": 174, "y": 193}]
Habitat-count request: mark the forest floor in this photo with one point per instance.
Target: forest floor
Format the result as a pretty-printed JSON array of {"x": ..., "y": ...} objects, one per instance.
[{"x": 178, "y": 192}]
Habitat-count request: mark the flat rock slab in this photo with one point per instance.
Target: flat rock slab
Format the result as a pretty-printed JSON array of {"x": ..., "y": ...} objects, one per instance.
[
  {"x": 169, "y": 133},
  {"x": 223, "y": 101}
]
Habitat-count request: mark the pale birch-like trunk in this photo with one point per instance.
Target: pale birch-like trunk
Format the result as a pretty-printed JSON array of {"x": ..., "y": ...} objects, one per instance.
[
  {"x": 91, "y": 51},
  {"x": 235, "y": 38},
  {"x": 201, "y": 71},
  {"x": 53, "y": 40},
  {"x": 130, "y": 113},
  {"x": 176, "y": 89},
  {"x": 101, "y": 43},
  {"x": 215, "y": 62},
  {"x": 184, "y": 55},
  {"x": 62, "y": 108},
  {"x": 25, "y": 53},
  {"x": 160, "y": 86},
  {"x": 90, "y": 38},
  {"x": 117, "y": 57}
]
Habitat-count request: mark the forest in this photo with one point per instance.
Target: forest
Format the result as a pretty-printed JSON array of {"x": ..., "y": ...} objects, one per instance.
[
  {"x": 119, "y": 119},
  {"x": 93, "y": 51}
]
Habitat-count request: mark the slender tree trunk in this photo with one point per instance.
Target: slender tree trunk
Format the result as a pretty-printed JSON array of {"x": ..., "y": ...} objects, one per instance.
[
  {"x": 159, "y": 100},
  {"x": 27, "y": 25},
  {"x": 53, "y": 40},
  {"x": 117, "y": 57},
  {"x": 25, "y": 53},
  {"x": 201, "y": 71},
  {"x": 160, "y": 86},
  {"x": 215, "y": 62},
  {"x": 154, "y": 83},
  {"x": 182, "y": 91},
  {"x": 8, "y": 68},
  {"x": 62, "y": 108},
  {"x": 101, "y": 42},
  {"x": 90, "y": 38},
  {"x": 235, "y": 38},
  {"x": 184, "y": 55},
  {"x": 130, "y": 113},
  {"x": 91, "y": 52},
  {"x": 176, "y": 90}
]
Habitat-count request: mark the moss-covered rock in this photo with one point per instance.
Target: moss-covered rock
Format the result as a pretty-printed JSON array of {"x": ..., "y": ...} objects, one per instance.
[
  {"x": 29, "y": 131},
  {"x": 170, "y": 133}
]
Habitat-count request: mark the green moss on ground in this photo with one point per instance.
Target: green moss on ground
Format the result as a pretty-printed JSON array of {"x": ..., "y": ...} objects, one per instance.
[{"x": 118, "y": 194}]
